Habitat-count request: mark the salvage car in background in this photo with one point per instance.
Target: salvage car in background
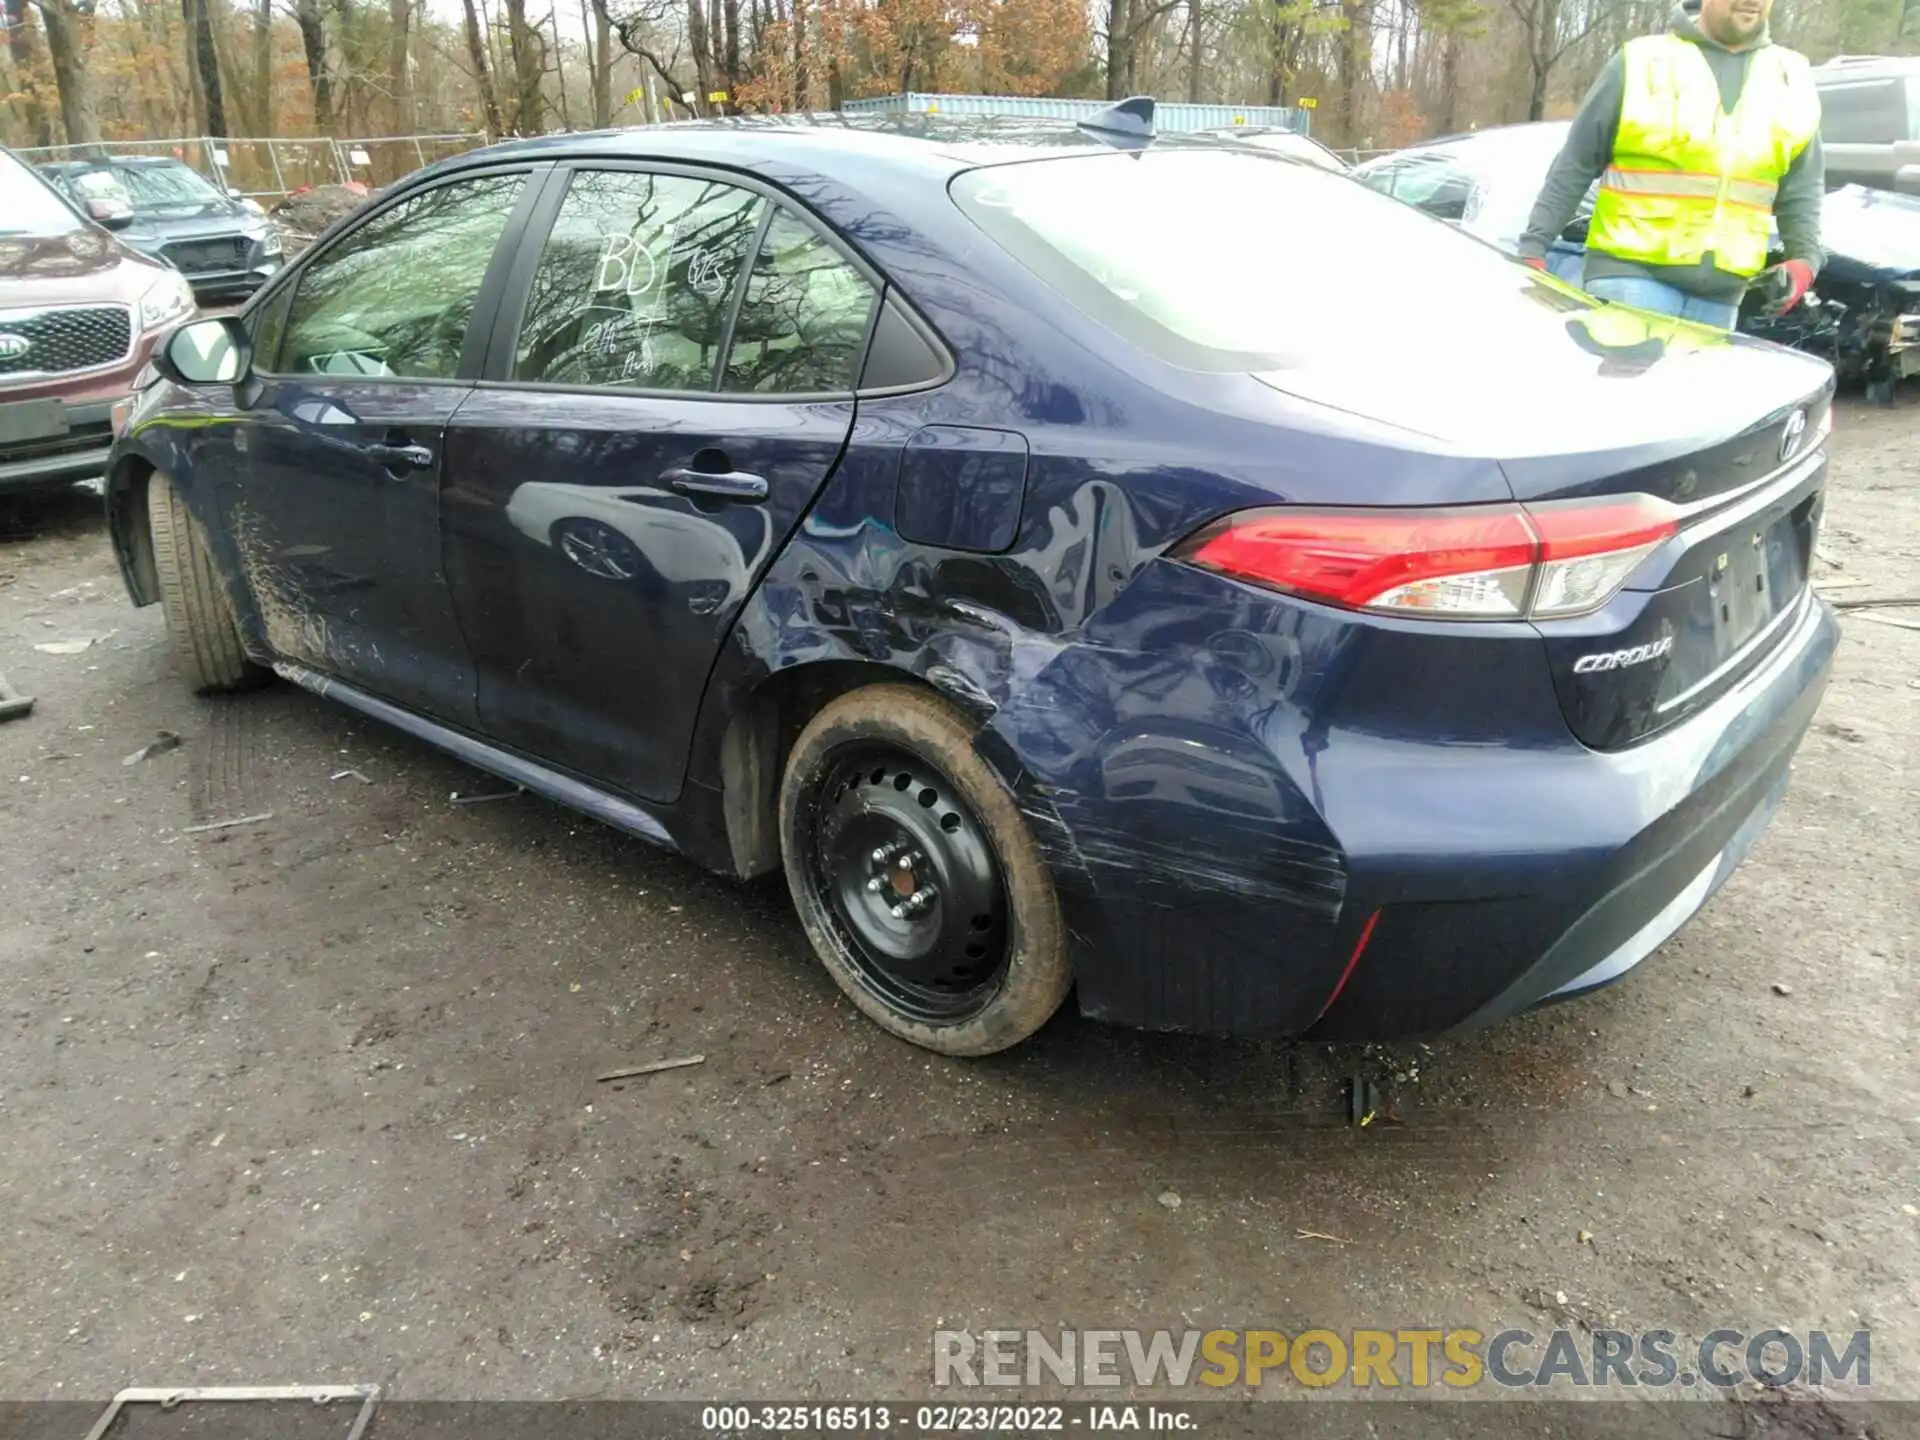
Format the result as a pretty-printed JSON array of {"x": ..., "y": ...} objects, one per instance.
[
  {"x": 1084, "y": 604},
  {"x": 79, "y": 315},
  {"x": 1870, "y": 120},
  {"x": 1864, "y": 315},
  {"x": 167, "y": 209}
]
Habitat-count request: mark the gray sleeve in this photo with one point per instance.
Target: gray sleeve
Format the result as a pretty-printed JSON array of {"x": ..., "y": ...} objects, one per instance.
[
  {"x": 1797, "y": 206},
  {"x": 1582, "y": 161}
]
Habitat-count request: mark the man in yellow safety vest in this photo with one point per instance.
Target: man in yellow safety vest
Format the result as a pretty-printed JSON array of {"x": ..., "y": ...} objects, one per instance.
[{"x": 1700, "y": 138}]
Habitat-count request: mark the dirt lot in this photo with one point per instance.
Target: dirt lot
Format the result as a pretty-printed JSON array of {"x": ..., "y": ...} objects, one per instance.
[{"x": 313, "y": 1099}]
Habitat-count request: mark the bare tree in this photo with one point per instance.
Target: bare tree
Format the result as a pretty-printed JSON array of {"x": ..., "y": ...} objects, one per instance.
[
  {"x": 1542, "y": 23},
  {"x": 261, "y": 83},
  {"x": 203, "y": 66},
  {"x": 399, "y": 77},
  {"x": 529, "y": 64},
  {"x": 66, "y": 49},
  {"x": 600, "y": 57},
  {"x": 313, "y": 40},
  {"x": 482, "y": 72}
]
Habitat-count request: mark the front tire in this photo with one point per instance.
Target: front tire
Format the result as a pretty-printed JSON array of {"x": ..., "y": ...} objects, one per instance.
[
  {"x": 916, "y": 878},
  {"x": 206, "y": 639}
]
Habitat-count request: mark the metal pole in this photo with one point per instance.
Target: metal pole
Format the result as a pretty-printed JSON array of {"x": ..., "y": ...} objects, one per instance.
[{"x": 273, "y": 157}]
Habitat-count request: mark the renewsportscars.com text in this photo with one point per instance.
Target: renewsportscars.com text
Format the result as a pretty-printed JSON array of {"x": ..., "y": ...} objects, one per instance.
[{"x": 1416, "y": 1359}]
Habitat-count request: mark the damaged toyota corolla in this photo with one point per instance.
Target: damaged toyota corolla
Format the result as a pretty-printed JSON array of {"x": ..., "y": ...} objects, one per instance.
[{"x": 1051, "y": 546}]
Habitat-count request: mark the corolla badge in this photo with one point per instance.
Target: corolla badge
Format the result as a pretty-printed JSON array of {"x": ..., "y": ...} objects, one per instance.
[
  {"x": 1621, "y": 659},
  {"x": 13, "y": 346},
  {"x": 1792, "y": 435}
]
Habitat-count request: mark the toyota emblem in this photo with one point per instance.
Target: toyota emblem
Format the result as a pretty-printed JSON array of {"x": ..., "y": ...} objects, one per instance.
[{"x": 1792, "y": 435}]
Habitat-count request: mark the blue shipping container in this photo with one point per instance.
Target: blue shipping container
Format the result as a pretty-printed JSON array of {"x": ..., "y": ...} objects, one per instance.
[{"x": 1166, "y": 116}]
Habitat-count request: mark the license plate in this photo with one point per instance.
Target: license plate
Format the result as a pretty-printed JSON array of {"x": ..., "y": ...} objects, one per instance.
[
  {"x": 32, "y": 420},
  {"x": 1751, "y": 577}
]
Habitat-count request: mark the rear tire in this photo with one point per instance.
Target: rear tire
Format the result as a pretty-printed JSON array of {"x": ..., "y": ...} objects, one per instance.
[
  {"x": 206, "y": 639},
  {"x": 916, "y": 878}
]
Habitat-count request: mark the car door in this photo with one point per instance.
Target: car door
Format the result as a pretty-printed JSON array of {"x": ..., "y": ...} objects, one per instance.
[
  {"x": 671, "y": 384},
  {"x": 334, "y": 499}
]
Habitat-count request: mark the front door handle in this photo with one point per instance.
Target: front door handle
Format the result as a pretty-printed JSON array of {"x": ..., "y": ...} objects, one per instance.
[
  {"x": 399, "y": 459},
  {"x": 735, "y": 485}
]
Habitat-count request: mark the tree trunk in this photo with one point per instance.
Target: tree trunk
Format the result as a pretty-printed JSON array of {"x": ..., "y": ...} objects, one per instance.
[
  {"x": 313, "y": 40},
  {"x": 1119, "y": 17},
  {"x": 1356, "y": 66},
  {"x": 524, "y": 41},
  {"x": 203, "y": 68},
  {"x": 66, "y": 44},
  {"x": 1195, "y": 42},
  {"x": 730, "y": 9},
  {"x": 560, "y": 70},
  {"x": 483, "y": 72},
  {"x": 800, "y": 98},
  {"x": 262, "y": 81},
  {"x": 702, "y": 52},
  {"x": 20, "y": 49},
  {"x": 602, "y": 46},
  {"x": 1449, "y": 82},
  {"x": 399, "y": 23}
]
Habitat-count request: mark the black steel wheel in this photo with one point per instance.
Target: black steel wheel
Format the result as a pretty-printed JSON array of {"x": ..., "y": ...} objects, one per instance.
[
  {"x": 909, "y": 877},
  {"x": 916, "y": 878}
]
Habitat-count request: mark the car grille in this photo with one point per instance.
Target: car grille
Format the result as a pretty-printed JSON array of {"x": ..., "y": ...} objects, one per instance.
[
  {"x": 206, "y": 257},
  {"x": 59, "y": 342}
]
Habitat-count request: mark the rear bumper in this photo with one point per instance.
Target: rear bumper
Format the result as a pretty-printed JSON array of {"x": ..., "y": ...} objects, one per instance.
[{"x": 1376, "y": 886}]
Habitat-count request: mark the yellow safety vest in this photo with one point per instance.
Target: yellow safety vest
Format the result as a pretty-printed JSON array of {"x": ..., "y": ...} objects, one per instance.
[{"x": 1687, "y": 178}]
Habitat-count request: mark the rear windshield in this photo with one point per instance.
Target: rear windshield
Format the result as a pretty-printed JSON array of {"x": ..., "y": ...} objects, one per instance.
[
  {"x": 28, "y": 206},
  {"x": 1218, "y": 259}
]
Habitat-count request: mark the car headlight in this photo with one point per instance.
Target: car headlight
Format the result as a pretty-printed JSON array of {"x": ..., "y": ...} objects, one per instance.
[
  {"x": 270, "y": 245},
  {"x": 170, "y": 299}
]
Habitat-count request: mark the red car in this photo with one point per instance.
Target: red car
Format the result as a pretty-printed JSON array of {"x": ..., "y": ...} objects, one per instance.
[{"x": 79, "y": 315}]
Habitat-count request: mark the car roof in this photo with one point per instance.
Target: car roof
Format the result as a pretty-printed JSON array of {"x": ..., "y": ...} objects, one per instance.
[{"x": 930, "y": 145}]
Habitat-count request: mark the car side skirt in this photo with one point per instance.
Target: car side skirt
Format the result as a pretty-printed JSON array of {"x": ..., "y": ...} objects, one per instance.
[{"x": 620, "y": 813}]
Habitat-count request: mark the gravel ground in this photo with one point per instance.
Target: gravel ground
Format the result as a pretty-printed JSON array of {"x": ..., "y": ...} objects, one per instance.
[{"x": 314, "y": 1099}]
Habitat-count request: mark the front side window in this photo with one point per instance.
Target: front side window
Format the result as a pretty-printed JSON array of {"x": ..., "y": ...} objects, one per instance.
[
  {"x": 393, "y": 298},
  {"x": 636, "y": 282},
  {"x": 803, "y": 321}
]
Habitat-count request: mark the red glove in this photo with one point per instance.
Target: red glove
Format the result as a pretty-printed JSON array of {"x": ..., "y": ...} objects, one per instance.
[
  {"x": 1799, "y": 276},
  {"x": 1536, "y": 262}
]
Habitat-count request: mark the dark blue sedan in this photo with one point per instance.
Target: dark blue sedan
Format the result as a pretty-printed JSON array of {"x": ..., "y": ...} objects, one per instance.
[{"x": 1053, "y": 547}]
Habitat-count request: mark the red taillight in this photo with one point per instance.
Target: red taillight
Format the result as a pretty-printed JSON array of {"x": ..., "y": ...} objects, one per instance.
[{"x": 1481, "y": 562}]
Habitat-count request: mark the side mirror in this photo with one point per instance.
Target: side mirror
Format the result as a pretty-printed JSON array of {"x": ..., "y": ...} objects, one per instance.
[
  {"x": 114, "y": 214},
  {"x": 207, "y": 352}
]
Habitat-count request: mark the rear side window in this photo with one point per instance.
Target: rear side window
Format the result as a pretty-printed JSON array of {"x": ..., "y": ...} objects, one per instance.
[
  {"x": 637, "y": 281},
  {"x": 393, "y": 298},
  {"x": 803, "y": 321}
]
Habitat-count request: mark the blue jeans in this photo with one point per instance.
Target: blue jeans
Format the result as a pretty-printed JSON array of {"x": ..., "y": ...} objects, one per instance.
[{"x": 1645, "y": 293}]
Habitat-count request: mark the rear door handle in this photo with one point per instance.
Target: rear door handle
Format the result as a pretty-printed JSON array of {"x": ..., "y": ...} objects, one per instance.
[
  {"x": 399, "y": 458},
  {"x": 736, "y": 485}
]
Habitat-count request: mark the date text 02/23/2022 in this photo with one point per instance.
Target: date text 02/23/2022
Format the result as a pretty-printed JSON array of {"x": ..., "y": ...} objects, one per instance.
[{"x": 945, "y": 1419}]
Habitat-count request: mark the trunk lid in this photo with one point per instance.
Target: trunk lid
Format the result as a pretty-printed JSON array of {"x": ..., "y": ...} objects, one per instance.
[{"x": 1727, "y": 430}]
